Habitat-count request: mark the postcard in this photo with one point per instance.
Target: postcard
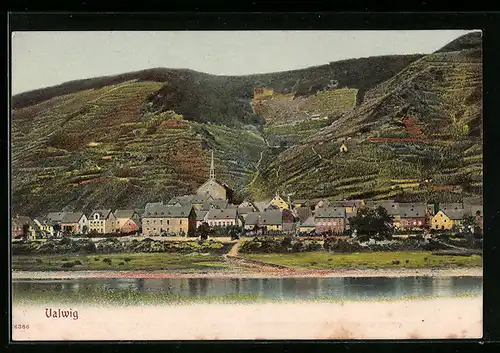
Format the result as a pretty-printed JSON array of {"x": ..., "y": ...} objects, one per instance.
[{"x": 246, "y": 185}]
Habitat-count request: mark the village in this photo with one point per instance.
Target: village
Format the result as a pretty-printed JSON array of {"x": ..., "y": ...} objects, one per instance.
[{"x": 211, "y": 208}]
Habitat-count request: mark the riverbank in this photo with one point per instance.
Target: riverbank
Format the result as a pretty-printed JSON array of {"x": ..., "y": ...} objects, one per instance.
[
  {"x": 207, "y": 262},
  {"x": 247, "y": 273},
  {"x": 404, "y": 319}
]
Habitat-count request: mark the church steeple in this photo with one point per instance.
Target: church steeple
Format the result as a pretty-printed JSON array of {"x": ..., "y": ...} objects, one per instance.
[{"x": 212, "y": 167}]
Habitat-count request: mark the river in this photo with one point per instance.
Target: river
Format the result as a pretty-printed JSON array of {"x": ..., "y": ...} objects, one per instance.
[{"x": 357, "y": 288}]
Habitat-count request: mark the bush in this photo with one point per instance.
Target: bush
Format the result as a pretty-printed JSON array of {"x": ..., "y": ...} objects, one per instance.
[
  {"x": 77, "y": 262},
  {"x": 314, "y": 246},
  {"x": 96, "y": 259},
  {"x": 121, "y": 263},
  {"x": 127, "y": 259},
  {"x": 68, "y": 265},
  {"x": 286, "y": 242},
  {"x": 107, "y": 260}
]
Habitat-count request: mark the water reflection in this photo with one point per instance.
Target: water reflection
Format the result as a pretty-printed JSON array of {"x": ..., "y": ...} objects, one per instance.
[{"x": 277, "y": 288}]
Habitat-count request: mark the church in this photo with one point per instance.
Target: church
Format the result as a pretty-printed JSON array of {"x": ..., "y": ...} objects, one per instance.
[{"x": 212, "y": 188}]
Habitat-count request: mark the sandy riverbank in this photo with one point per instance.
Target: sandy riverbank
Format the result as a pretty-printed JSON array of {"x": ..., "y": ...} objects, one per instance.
[
  {"x": 413, "y": 319},
  {"x": 393, "y": 272}
]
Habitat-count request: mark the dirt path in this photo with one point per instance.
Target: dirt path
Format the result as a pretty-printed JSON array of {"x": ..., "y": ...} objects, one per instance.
[
  {"x": 236, "y": 247},
  {"x": 235, "y": 261}
]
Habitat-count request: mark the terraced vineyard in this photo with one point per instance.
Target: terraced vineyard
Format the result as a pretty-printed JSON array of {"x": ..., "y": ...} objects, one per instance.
[
  {"x": 443, "y": 92},
  {"x": 117, "y": 153},
  {"x": 412, "y": 125}
]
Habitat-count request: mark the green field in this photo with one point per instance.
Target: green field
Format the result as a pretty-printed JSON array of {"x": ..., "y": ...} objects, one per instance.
[
  {"x": 326, "y": 260},
  {"x": 123, "y": 262}
]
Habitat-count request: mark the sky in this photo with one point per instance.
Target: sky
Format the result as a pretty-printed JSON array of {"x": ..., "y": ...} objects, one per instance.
[{"x": 44, "y": 59}]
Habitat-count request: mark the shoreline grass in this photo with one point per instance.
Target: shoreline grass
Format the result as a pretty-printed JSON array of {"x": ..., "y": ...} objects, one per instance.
[
  {"x": 119, "y": 262},
  {"x": 192, "y": 263},
  {"x": 381, "y": 259}
]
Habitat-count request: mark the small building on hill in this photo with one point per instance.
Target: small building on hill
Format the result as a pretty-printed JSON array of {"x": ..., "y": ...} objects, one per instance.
[
  {"x": 262, "y": 93},
  {"x": 343, "y": 148}
]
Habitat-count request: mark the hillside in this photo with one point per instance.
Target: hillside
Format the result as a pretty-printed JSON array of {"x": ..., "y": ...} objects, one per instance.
[
  {"x": 121, "y": 141},
  {"x": 226, "y": 99},
  {"x": 124, "y": 140},
  {"x": 104, "y": 148},
  {"x": 416, "y": 136}
]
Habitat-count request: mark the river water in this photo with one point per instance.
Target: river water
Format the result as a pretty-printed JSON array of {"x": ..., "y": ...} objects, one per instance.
[{"x": 356, "y": 288}]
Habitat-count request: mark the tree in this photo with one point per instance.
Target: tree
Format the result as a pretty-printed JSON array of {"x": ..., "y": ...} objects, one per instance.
[
  {"x": 234, "y": 231},
  {"x": 85, "y": 229},
  {"x": 204, "y": 230},
  {"x": 469, "y": 223},
  {"x": 372, "y": 223}
]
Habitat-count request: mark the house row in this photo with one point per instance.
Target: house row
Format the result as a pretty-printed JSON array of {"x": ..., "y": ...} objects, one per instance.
[
  {"x": 406, "y": 216},
  {"x": 56, "y": 223},
  {"x": 184, "y": 214}
]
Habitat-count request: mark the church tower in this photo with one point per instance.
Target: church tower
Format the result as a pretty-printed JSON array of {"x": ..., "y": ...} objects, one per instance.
[
  {"x": 212, "y": 188},
  {"x": 212, "y": 167}
]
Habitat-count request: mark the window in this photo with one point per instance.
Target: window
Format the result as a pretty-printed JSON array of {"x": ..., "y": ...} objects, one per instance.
[
  {"x": 168, "y": 222},
  {"x": 147, "y": 222},
  {"x": 180, "y": 222},
  {"x": 419, "y": 223},
  {"x": 414, "y": 223},
  {"x": 161, "y": 221}
]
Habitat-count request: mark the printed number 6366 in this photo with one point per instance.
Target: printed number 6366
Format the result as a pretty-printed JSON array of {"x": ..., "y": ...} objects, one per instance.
[{"x": 21, "y": 327}]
